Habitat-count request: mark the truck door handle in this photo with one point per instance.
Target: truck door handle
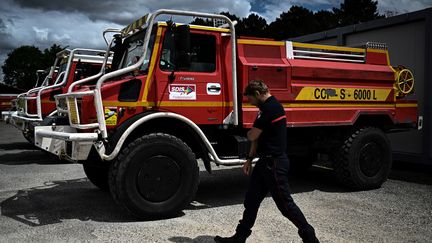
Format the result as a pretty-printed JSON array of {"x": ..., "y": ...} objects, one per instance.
[{"x": 214, "y": 88}]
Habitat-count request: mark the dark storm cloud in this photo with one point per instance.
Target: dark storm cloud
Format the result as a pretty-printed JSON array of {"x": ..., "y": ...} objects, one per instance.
[
  {"x": 123, "y": 12},
  {"x": 120, "y": 12},
  {"x": 6, "y": 40}
]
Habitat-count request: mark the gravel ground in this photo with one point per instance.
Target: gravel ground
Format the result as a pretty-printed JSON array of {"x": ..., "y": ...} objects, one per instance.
[{"x": 45, "y": 200}]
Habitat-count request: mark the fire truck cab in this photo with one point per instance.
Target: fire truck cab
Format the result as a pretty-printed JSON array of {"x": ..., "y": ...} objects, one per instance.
[{"x": 176, "y": 97}]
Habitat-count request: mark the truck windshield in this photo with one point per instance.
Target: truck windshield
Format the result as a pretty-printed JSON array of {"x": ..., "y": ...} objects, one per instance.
[{"x": 135, "y": 49}]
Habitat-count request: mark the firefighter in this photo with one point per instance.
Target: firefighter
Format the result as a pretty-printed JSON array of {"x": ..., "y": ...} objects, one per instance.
[{"x": 268, "y": 142}]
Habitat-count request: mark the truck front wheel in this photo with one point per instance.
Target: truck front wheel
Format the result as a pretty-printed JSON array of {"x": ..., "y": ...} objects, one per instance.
[
  {"x": 97, "y": 174},
  {"x": 364, "y": 160},
  {"x": 156, "y": 175}
]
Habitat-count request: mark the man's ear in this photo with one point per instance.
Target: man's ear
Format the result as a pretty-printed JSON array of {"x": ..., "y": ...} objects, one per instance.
[{"x": 257, "y": 93}]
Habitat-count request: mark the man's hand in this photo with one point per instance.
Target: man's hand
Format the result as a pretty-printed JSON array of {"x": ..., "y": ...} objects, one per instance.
[{"x": 247, "y": 167}]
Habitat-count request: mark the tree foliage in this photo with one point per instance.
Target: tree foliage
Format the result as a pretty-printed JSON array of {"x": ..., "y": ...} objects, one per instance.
[
  {"x": 21, "y": 65},
  {"x": 298, "y": 20},
  {"x": 357, "y": 11}
]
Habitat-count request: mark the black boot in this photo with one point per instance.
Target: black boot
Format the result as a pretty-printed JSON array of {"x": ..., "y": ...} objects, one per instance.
[
  {"x": 308, "y": 236},
  {"x": 233, "y": 239}
]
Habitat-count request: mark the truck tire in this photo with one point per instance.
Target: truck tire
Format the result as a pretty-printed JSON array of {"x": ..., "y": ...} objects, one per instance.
[
  {"x": 364, "y": 160},
  {"x": 97, "y": 174},
  {"x": 154, "y": 176}
]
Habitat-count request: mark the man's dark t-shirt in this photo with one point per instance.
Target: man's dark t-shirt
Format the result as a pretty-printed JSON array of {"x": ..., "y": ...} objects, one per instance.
[{"x": 271, "y": 120}]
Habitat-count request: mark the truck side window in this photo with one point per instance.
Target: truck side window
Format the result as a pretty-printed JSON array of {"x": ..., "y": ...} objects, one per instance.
[{"x": 203, "y": 55}]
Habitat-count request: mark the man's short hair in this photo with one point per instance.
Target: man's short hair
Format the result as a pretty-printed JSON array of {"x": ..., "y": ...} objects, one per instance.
[{"x": 255, "y": 85}]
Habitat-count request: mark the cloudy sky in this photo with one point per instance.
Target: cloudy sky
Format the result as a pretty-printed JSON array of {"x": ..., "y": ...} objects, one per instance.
[{"x": 79, "y": 23}]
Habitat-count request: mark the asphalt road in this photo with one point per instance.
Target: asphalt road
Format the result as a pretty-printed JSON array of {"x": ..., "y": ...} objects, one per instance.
[{"x": 45, "y": 200}]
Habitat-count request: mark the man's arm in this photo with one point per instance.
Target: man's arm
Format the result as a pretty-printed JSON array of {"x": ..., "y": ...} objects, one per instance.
[{"x": 252, "y": 136}]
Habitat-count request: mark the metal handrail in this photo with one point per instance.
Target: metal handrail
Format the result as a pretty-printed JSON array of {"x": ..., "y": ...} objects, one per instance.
[
  {"x": 65, "y": 76},
  {"x": 99, "y": 74},
  {"x": 149, "y": 24},
  {"x": 110, "y": 30},
  {"x": 200, "y": 133}
]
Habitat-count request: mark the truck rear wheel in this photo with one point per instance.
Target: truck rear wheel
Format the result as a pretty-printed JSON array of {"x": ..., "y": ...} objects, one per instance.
[
  {"x": 364, "y": 160},
  {"x": 97, "y": 174},
  {"x": 156, "y": 175}
]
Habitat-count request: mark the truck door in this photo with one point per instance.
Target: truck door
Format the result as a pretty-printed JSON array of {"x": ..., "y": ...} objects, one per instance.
[{"x": 195, "y": 91}]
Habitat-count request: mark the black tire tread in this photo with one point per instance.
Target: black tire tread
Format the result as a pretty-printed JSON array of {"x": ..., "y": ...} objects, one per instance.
[
  {"x": 119, "y": 166},
  {"x": 341, "y": 165},
  {"x": 97, "y": 175}
]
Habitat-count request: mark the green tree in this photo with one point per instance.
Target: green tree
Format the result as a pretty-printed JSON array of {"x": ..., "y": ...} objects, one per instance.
[
  {"x": 203, "y": 22},
  {"x": 255, "y": 25},
  {"x": 297, "y": 21},
  {"x": 325, "y": 20},
  {"x": 49, "y": 55},
  {"x": 239, "y": 27},
  {"x": 20, "y": 66},
  {"x": 357, "y": 11}
]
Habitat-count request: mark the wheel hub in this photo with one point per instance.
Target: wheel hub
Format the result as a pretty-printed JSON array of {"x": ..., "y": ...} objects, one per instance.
[
  {"x": 158, "y": 178},
  {"x": 371, "y": 160}
]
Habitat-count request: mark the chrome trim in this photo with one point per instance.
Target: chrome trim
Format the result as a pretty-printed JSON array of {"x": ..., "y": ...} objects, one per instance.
[
  {"x": 99, "y": 74},
  {"x": 110, "y": 30},
  {"x": 152, "y": 116},
  {"x": 82, "y": 137}
]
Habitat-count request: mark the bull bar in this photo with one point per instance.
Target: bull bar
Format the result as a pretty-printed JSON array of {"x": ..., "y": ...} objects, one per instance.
[{"x": 22, "y": 116}]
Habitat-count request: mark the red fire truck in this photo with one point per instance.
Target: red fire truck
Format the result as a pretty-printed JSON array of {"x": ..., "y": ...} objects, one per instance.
[
  {"x": 176, "y": 97},
  {"x": 32, "y": 107},
  {"x": 7, "y": 101}
]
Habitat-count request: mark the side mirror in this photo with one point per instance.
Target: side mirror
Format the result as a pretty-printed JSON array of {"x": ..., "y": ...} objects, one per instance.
[{"x": 182, "y": 47}]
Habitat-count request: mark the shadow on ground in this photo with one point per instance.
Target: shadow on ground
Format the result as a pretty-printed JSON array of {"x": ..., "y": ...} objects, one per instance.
[
  {"x": 21, "y": 153},
  {"x": 59, "y": 200},
  {"x": 198, "y": 239},
  {"x": 79, "y": 199},
  {"x": 17, "y": 145},
  {"x": 410, "y": 172},
  {"x": 30, "y": 157}
]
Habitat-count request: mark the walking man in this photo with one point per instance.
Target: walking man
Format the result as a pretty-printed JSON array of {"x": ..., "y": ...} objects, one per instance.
[{"x": 268, "y": 142}]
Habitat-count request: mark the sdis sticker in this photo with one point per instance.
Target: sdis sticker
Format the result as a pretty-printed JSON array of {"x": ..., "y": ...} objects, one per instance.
[{"x": 182, "y": 92}]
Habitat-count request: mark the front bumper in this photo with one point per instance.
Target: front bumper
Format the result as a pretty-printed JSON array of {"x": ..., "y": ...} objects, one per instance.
[
  {"x": 19, "y": 121},
  {"x": 12, "y": 117},
  {"x": 65, "y": 141},
  {"x": 6, "y": 115}
]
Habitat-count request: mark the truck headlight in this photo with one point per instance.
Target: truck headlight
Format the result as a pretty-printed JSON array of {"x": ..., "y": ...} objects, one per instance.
[{"x": 61, "y": 104}]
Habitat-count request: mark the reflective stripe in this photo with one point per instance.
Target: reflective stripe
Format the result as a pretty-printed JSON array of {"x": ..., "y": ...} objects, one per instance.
[{"x": 278, "y": 119}]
